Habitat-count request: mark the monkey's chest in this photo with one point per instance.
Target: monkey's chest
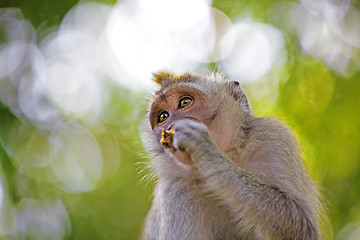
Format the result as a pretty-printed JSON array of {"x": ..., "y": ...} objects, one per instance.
[{"x": 187, "y": 213}]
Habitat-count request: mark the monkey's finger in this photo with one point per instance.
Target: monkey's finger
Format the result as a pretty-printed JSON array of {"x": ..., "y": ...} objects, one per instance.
[{"x": 190, "y": 127}]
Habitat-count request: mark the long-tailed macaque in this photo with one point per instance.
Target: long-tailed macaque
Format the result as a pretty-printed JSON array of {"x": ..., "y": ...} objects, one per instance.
[{"x": 223, "y": 173}]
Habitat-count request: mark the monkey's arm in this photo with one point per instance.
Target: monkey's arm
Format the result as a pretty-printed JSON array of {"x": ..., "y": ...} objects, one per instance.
[{"x": 268, "y": 211}]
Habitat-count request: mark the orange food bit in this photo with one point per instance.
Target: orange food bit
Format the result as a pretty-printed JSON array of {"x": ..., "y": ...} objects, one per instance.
[{"x": 167, "y": 137}]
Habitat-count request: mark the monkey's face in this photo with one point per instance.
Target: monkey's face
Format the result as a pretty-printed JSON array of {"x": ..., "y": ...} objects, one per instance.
[{"x": 180, "y": 103}]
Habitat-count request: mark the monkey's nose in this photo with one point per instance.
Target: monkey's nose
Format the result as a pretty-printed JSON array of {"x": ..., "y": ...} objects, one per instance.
[{"x": 176, "y": 120}]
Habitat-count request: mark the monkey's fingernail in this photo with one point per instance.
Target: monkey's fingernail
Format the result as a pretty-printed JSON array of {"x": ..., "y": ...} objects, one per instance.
[{"x": 181, "y": 148}]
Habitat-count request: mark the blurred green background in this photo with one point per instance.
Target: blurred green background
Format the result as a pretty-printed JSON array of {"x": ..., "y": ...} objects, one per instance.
[{"x": 72, "y": 95}]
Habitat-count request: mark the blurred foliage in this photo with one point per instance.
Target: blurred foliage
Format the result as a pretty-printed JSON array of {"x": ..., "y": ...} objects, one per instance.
[
  {"x": 41, "y": 12},
  {"x": 319, "y": 104},
  {"x": 116, "y": 208}
]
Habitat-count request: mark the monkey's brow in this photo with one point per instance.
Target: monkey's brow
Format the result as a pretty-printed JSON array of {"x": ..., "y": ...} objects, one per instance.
[{"x": 160, "y": 94}]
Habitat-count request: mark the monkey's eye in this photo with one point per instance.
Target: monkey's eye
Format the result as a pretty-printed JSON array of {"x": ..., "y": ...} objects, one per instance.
[
  {"x": 163, "y": 116},
  {"x": 184, "y": 102}
]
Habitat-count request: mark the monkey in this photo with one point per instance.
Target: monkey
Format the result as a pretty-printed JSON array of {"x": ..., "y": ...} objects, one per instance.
[{"x": 225, "y": 174}]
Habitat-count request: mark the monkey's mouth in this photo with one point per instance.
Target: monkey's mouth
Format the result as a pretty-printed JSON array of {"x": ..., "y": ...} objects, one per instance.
[{"x": 183, "y": 158}]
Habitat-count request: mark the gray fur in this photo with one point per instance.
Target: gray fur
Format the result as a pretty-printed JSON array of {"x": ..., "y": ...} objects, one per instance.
[{"x": 258, "y": 189}]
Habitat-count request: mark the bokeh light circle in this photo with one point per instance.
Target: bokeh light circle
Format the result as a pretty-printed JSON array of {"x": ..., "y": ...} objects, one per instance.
[
  {"x": 76, "y": 157},
  {"x": 257, "y": 48}
]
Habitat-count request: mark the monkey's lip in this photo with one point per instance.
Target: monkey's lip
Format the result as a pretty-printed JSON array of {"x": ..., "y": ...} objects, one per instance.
[
  {"x": 167, "y": 136},
  {"x": 182, "y": 157}
]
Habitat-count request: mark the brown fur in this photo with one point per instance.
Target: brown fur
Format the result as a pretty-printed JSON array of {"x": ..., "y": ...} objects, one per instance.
[{"x": 238, "y": 176}]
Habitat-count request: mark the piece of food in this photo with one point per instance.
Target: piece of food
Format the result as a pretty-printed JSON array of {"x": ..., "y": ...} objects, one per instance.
[{"x": 167, "y": 138}]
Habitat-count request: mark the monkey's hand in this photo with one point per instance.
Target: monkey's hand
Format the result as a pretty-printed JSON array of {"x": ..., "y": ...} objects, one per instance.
[{"x": 194, "y": 138}]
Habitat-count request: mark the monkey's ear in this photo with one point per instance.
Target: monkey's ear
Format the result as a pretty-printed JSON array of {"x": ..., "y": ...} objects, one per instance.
[{"x": 239, "y": 95}]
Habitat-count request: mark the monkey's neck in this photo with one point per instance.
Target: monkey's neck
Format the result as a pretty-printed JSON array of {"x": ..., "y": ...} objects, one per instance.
[{"x": 239, "y": 146}]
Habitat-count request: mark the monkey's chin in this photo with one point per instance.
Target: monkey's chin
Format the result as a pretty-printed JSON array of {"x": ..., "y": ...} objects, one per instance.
[{"x": 183, "y": 159}]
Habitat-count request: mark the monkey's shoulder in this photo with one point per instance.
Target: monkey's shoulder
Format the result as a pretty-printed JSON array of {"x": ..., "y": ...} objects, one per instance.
[
  {"x": 272, "y": 130},
  {"x": 270, "y": 141}
]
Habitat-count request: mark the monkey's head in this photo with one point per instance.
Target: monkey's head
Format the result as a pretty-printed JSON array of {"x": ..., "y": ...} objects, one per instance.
[{"x": 218, "y": 103}]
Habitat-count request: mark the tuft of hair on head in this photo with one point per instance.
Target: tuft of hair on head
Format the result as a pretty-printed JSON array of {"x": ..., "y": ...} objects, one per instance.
[
  {"x": 164, "y": 78},
  {"x": 161, "y": 77}
]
